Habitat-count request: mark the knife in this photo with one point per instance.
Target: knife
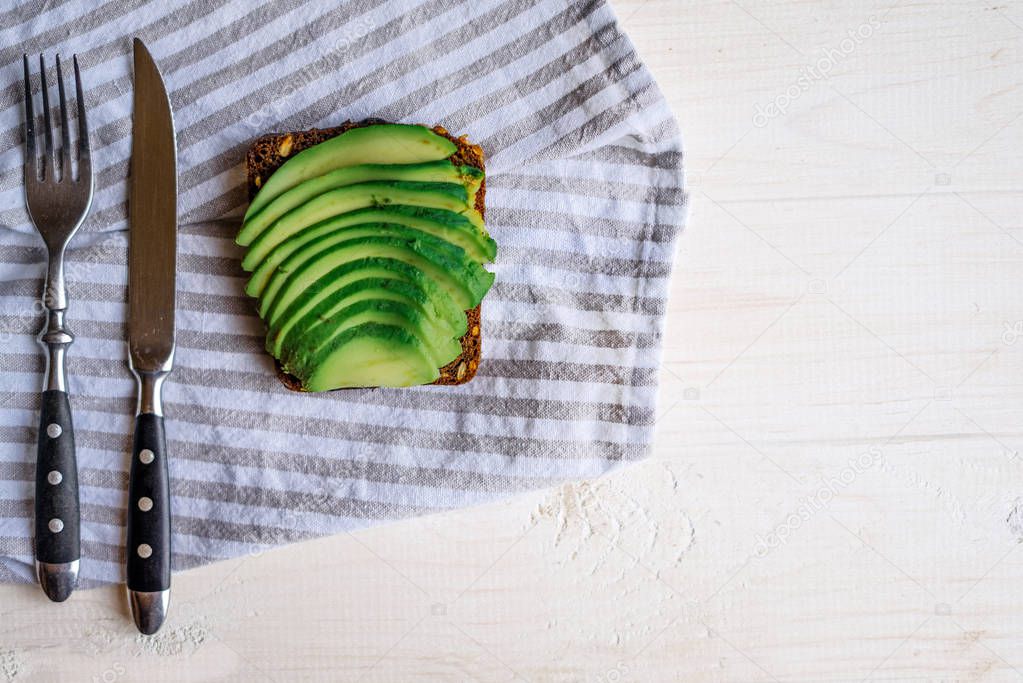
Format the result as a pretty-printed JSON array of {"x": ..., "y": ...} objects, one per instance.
[{"x": 152, "y": 215}]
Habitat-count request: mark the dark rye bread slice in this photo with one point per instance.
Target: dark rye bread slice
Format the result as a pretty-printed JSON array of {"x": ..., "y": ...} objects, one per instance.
[{"x": 269, "y": 152}]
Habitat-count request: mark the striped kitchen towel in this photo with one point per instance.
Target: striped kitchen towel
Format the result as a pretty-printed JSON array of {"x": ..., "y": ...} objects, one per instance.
[{"x": 585, "y": 198}]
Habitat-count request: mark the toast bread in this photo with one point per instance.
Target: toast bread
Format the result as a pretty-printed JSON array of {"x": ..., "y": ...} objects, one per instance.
[{"x": 269, "y": 152}]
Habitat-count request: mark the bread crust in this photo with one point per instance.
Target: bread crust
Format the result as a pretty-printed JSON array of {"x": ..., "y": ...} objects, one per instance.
[{"x": 269, "y": 152}]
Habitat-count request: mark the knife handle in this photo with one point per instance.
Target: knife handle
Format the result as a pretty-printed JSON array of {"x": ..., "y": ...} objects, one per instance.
[
  {"x": 149, "y": 530},
  {"x": 149, "y": 523}
]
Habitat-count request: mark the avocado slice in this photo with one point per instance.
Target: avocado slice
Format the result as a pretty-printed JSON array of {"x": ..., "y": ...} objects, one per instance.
[
  {"x": 348, "y": 282},
  {"x": 442, "y": 348},
  {"x": 432, "y": 171},
  {"x": 331, "y": 310},
  {"x": 451, "y": 255},
  {"x": 462, "y": 278},
  {"x": 368, "y": 355},
  {"x": 382, "y": 144},
  {"x": 439, "y": 223},
  {"x": 448, "y": 196}
]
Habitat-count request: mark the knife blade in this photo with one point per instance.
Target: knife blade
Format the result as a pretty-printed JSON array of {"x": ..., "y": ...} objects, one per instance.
[{"x": 152, "y": 215}]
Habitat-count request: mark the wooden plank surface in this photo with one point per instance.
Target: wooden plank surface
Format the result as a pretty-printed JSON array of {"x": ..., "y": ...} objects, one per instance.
[{"x": 836, "y": 492}]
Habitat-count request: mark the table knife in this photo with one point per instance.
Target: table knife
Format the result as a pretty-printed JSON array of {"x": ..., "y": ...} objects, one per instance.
[{"x": 152, "y": 215}]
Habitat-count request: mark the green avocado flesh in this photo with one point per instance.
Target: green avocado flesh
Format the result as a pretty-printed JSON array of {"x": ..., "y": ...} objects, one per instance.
[
  {"x": 446, "y": 225},
  {"x": 307, "y": 348},
  {"x": 383, "y": 144},
  {"x": 331, "y": 286},
  {"x": 370, "y": 355},
  {"x": 461, "y": 278},
  {"x": 276, "y": 276},
  {"x": 448, "y": 196},
  {"x": 365, "y": 253},
  {"x": 373, "y": 305},
  {"x": 441, "y": 171}
]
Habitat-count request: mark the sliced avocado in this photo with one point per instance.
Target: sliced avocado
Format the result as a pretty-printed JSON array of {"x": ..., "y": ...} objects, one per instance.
[
  {"x": 272, "y": 265},
  {"x": 462, "y": 278},
  {"x": 453, "y": 255},
  {"x": 445, "y": 225},
  {"x": 448, "y": 196},
  {"x": 370, "y": 355},
  {"x": 383, "y": 144},
  {"x": 333, "y": 283},
  {"x": 432, "y": 172},
  {"x": 333, "y": 309},
  {"x": 442, "y": 349}
]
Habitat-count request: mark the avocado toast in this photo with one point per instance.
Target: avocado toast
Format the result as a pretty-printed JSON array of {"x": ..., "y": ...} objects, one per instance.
[{"x": 366, "y": 254}]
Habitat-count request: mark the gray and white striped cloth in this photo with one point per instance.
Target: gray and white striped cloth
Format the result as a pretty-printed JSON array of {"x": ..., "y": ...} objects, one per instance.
[{"x": 585, "y": 198}]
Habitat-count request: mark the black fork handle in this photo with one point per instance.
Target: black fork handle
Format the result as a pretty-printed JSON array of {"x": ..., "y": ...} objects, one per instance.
[{"x": 57, "y": 533}]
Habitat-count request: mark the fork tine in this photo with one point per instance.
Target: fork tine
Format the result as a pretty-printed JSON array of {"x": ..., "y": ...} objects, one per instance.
[
  {"x": 47, "y": 124},
  {"x": 65, "y": 133},
  {"x": 84, "y": 146},
  {"x": 31, "y": 167}
]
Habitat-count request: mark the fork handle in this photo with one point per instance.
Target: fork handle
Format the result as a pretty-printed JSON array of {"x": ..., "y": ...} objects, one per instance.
[
  {"x": 58, "y": 540},
  {"x": 57, "y": 532}
]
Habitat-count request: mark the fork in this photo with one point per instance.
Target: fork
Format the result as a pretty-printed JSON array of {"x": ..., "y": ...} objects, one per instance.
[{"x": 57, "y": 203}]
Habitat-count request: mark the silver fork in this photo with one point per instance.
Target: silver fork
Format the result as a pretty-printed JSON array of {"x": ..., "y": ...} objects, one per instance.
[{"x": 57, "y": 204}]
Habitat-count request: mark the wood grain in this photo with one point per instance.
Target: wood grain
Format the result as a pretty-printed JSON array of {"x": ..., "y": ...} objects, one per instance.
[{"x": 836, "y": 489}]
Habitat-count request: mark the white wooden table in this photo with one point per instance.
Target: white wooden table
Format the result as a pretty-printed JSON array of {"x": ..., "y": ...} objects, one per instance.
[{"x": 836, "y": 492}]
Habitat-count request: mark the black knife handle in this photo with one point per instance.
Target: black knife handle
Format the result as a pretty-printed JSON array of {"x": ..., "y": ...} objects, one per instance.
[
  {"x": 58, "y": 537},
  {"x": 149, "y": 529}
]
